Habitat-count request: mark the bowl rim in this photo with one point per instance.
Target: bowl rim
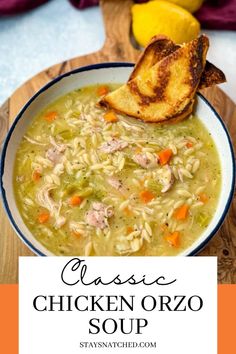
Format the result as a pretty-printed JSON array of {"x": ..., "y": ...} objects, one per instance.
[{"x": 95, "y": 67}]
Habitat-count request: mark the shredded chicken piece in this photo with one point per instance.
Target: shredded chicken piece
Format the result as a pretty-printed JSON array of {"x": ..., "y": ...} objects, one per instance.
[
  {"x": 55, "y": 153},
  {"x": 166, "y": 178},
  {"x": 60, "y": 221},
  {"x": 116, "y": 183},
  {"x": 145, "y": 161},
  {"x": 113, "y": 146},
  {"x": 59, "y": 147},
  {"x": 101, "y": 207},
  {"x": 98, "y": 215},
  {"x": 44, "y": 199}
]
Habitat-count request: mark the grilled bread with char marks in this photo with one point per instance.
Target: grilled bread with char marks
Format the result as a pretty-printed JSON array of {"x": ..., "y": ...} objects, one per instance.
[
  {"x": 166, "y": 90},
  {"x": 160, "y": 47}
]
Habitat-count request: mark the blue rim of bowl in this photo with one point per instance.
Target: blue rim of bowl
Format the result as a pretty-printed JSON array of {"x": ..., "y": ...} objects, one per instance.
[
  {"x": 231, "y": 193},
  {"x": 95, "y": 67}
]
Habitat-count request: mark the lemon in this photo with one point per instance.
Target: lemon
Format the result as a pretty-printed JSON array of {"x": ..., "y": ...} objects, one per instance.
[
  {"x": 191, "y": 6},
  {"x": 162, "y": 17}
]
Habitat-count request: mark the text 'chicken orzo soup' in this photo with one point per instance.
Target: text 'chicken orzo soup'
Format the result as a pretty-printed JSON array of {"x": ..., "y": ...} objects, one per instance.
[{"x": 93, "y": 182}]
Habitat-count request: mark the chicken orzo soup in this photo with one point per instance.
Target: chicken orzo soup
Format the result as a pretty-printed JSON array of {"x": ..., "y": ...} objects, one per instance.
[{"x": 90, "y": 182}]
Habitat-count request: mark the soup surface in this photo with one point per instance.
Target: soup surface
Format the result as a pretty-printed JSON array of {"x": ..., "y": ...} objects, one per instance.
[{"x": 90, "y": 182}]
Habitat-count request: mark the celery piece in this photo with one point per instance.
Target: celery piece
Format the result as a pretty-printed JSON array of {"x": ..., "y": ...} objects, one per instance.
[
  {"x": 76, "y": 185},
  {"x": 66, "y": 134},
  {"x": 85, "y": 192},
  {"x": 202, "y": 218},
  {"x": 154, "y": 186}
]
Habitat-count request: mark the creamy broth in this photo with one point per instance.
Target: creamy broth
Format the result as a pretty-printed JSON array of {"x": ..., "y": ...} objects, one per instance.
[{"x": 90, "y": 182}]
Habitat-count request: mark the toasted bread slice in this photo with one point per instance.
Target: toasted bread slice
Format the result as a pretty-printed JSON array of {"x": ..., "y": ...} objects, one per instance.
[
  {"x": 211, "y": 76},
  {"x": 159, "y": 47},
  {"x": 184, "y": 115},
  {"x": 167, "y": 89}
]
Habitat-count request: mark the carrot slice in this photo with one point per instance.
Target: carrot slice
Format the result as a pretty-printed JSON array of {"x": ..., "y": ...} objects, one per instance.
[
  {"x": 43, "y": 217},
  {"x": 36, "y": 176},
  {"x": 189, "y": 144},
  {"x": 173, "y": 239},
  {"x": 110, "y": 117},
  {"x": 102, "y": 90},
  {"x": 51, "y": 116},
  {"x": 129, "y": 229},
  {"x": 77, "y": 234},
  {"x": 146, "y": 196},
  {"x": 75, "y": 200},
  {"x": 164, "y": 228},
  {"x": 165, "y": 156},
  {"x": 182, "y": 212},
  {"x": 203, "y": 197}
]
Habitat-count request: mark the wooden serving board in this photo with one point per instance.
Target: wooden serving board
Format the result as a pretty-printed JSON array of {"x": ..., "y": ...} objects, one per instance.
[{"x": 117, "y": 47}]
